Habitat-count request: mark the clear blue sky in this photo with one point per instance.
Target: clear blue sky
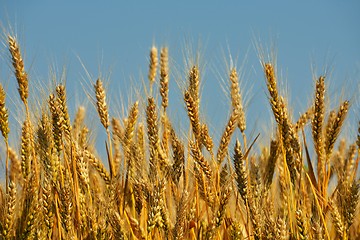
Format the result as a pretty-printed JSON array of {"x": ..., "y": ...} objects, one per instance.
[{"x": 117, "y": 35}]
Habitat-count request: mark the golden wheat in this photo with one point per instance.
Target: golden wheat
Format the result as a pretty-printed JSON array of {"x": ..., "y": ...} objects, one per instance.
[{"x": 162, "y": 182}]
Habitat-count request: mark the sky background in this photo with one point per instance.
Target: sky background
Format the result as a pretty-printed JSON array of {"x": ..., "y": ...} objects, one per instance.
[{"x": 116, "y": 36}]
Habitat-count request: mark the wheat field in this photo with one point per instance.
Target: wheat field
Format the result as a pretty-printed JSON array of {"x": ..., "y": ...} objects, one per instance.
[{"x": 154, "y": 183}]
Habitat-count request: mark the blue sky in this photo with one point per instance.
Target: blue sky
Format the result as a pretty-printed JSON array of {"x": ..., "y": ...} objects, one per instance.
[{"x": 116, "y": 36}]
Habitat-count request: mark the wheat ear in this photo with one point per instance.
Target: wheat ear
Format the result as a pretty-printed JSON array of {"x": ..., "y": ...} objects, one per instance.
[
  {"x": 103, "y": 112},
  {"x": 241, "y": 172},
  {"x": 194, "y": 84},
  {"x": 303, "y": 119},
  {"x": 226, "y": 136},
  {"x": 272, "y": 88},
  {"x": 4, "y": 127},
  {"x": 61, "y": 92},
  {"x": 26, "y": 150},
  {"x": 153, "y": 135},
  {"x": 153, "y": 64},
  {"x": 164, "y": 76},
  {"x": 4, "y": 115},
  {"x": 193, "y": 113},
  {"x": 10, "y": 210},
  {"x": 101, "y": 103},
  {"x": 334, "y": 129},
  {"x": 317, "y": 126},
  {"x": 271, "y": 162},
  {"x": 236, "y": 99},
  {"x": 20, "y": 72}
]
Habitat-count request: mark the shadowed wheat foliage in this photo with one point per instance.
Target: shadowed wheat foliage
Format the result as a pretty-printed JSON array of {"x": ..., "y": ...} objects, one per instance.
[{"x": 154, "y": 183}]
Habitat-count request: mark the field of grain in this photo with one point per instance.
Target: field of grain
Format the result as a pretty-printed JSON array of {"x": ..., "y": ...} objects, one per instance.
[{"x": 156, "y": 184}]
